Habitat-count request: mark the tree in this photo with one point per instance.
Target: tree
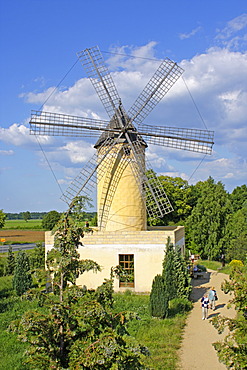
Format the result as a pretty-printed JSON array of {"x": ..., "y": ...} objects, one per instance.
[
  {"x": 232, "y": 351},
  {"x": 2, "y": 218},
  {"x": 26, "y": 215},
  {"x": 181, "y": 197},
  {"x": 10, "y": 262},
  {"x": 50, "y": 220},
  {"x": 22, "y": 280},
  {"x": 207, "y": 222},
  {"x": 78, "y": 329},
  {"x": 238, "y": 197},
  {"x": 168, "y": 272},
  {"x": 175, "y": 274},
  {"x": 235, "y": 240},
  {"x": 159, "y": 298}
]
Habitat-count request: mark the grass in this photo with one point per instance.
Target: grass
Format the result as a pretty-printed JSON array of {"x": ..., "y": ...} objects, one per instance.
[
  {"x": 11, "y": 308},
  {"x": 161, "y": 337},
  {"x": 22, "y": 224},
  {"x": 215, "y": 265}
]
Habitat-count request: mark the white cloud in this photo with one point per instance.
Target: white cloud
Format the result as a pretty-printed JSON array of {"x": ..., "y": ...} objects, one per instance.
[
  {"x": 234, "y": 35},
  {"x": 183, "y": 36},
  {"x": 6, "y": 152},
  {"x": 19, "y": 135},
  {"x": 233, "y": 26},
  {"x": 79, "y": 152}
]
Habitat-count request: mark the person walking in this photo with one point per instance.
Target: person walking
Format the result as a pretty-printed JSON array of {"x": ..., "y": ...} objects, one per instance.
[
  {"x": 204, "y": 306},
  {"x": 212, "y": 296}
]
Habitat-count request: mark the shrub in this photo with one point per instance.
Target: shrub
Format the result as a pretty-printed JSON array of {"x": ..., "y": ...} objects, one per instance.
[
  {"x": 179, "y": 305},
  {"x": 158, "y": 298},
  {"x": 236, "y": 263}
]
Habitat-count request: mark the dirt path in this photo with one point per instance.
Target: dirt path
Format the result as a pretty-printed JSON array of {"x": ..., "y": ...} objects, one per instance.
[{"x": 197, "y": 351}]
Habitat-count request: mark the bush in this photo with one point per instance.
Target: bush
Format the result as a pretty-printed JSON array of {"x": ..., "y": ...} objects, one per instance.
[
  {"x": 158, "y": 298},
  {"x": 179, "y": 305},
  {"x": 236, "y": 263}
]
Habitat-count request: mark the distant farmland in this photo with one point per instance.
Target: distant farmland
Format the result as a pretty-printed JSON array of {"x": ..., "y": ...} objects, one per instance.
[
  {"x": 22, "y": 236},
  {"x": 22, "y": 224}
]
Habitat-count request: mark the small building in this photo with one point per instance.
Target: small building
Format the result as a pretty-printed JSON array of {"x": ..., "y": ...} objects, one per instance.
[{"x": 140, "y": 253}]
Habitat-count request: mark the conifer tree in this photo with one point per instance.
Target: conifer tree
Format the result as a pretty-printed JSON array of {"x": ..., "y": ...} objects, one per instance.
[
  {"x": 169, "y": 271},
  {"x": 10, "y": 262},
  {"x": 159, "y": 298},
  {"x": 22, "y": 280}
]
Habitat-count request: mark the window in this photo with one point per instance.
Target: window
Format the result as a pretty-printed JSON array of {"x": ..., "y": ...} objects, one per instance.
[{"x": 126, "y": 261}]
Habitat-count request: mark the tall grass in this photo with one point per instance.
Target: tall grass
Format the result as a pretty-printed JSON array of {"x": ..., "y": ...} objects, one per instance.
[{"x": 161, "y": 337}]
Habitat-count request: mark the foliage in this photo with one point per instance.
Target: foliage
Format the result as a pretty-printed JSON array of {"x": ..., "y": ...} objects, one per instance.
[
  {"x": 37, "y": 258},
  {"x": 78, "y": 330},
  {"x": 22, "y": 280},
  {"x": 232, "y": 351},
  {"x": 26, "y": 215},
  {"x": 238, "y": 197},
  {"x": 207, "y": 222},
  {"x": 3, "y": 266},
  {"x": 162, "y": 337},
  {"x": 179, "y": 306},
  {"x": 50, "y": 220},
  {"x": 79, "y": 204},
  {"x": 2, "y": 218},
  {"x": 158, "y": 298},
  {"x": 236, "y": 263},
  {"x": 175, "y": 274},
  {"x": 94, "y": 221},
  {"x": 10, "y": 262},
  {"x": 236, "y": 235},
  {"x": 180, "y": 195}
]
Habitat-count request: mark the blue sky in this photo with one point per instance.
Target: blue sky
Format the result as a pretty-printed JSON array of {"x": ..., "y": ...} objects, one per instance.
[{"x": 39, "y": 41}]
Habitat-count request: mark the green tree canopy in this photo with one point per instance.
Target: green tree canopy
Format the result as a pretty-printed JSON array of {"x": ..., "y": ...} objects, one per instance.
[
  {"x": 2, "y": 218},
  {"x": 181, "y": 197},
  {"x": 238, "y": 197},
  {"x": 235, "y": 240},
  {"x": 26, "y": 215},
  {"x": 207, "y": 222},
  {"x": 50, "y": 220}
]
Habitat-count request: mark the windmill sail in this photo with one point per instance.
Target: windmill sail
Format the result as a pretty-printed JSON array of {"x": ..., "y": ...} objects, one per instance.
[{"x": 120, "y": 171}]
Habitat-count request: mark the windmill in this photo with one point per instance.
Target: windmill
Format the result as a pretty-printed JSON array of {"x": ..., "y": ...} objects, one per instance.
[{"x": 126, "y": 185}]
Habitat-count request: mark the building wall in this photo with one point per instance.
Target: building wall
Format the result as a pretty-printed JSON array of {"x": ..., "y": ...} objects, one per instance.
[{"x": 148, "y": 248}]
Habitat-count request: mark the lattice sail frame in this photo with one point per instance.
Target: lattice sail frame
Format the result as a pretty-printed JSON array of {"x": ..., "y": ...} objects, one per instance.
[{"x": 46, "y": 123}]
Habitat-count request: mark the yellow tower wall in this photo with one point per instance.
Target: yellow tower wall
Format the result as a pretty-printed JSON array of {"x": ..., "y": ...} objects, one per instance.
[{"x": 119, "y": 200}]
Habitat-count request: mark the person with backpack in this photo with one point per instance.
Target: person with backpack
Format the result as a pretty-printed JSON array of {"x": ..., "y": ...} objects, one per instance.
[
  {"x": 212, "y": 298},
  {"x": 204, "y": 306}
]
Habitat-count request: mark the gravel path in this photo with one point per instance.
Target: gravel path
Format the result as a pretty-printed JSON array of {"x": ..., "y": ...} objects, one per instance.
[{"x": 197, "y": 352}]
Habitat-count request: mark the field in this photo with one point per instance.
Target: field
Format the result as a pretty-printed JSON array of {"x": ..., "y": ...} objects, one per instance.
[
  {"x": 22, "y": 224},
  {"x": 22, "y": 236}
]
